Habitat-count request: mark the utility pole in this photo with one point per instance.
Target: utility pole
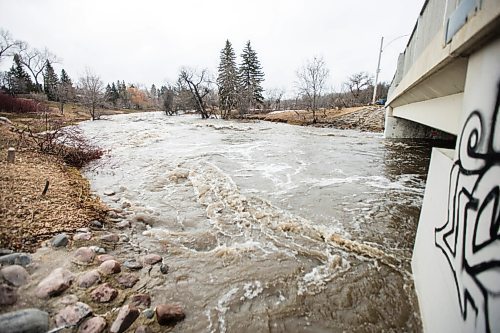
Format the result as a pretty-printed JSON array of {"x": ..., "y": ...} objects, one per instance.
[{"x": 378, "y": 70}]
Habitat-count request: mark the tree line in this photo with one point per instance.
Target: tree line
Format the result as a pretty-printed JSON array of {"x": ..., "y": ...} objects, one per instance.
[{"x": 236, "y": 89}]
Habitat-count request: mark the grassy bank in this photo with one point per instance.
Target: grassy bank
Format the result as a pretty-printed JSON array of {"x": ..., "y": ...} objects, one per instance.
[{"x": 28, "y": 216}]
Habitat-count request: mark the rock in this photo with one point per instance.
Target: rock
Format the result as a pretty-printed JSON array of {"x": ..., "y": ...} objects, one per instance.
[
  {"x": 96, "y": 224},
  {"x": 169, "y": 314},
  {"x": 88, "y": 279},
  {"x": 68, "y": 299},
  {"x": 8, "y": 295},
  {"x": 132, "y": 264},
  {"x": 93, "y": 325},
  {"x": 85, "y": 236},
  {"x": 104, "y": 257},
  {"x": 109, "y": 192},
  {"x": 123, "y": 224},
  {"x": 110, "y": 267},
  {"x": 113, "y": 213},
  {"x": 142, "y": 329},
  {"x": 59, "y": 240},
  {"x": 149, "y": 313},
  {"x": 58, "y": 281},
  {"x": 151, "y": 259},
  {"x": 126, "y": 317},
  {"x": 112, "y": 238},
  {"x": 164, "y": 268},
  {"x": 22, "y": 259},
  {"x": 5, "y": 252},
  {"x": 84, "y": 255},
  {"x": 72, "y": 314},
  {"x": 25, "y": 321},
  {"x": 5, "y": 120},
  {"x": 104, "y": 293},
  {"x": 15, "y": 275},
  {"x": 126, "y": 204},
  {"x": 97, "y": 249},
  {"x": 140, "y": 300},
  {"x": 127, "y": 280},
  {"x": 124, "y": 238}
]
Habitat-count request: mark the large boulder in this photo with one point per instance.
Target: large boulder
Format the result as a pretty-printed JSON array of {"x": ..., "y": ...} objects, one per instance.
[
  {"x": 169, "y": 314},
  {"x": 104, "y": 293},
  {"x": 8, "y": 295},
  {"x": 126, "y": 317},
  {"x": 72, "y": 314},
  {"x": 15, "y": 275},
  {"x": 93, "y": 325},
  {"x": 60, "y": 240},
  {"x": 25, "y": 321},
  {"x": 109, "y": 267},
  {"x": 88, "y": 279},
  {"x": 58, "y": 281},
  {"x": 22, "y": 259}
]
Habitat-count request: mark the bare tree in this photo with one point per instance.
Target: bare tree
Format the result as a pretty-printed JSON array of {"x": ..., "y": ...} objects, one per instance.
[
  {"x": 358, "y": 84},
  {"x": 199, "y": 86},
  {"x": 91, "y": 92},
  {"x": 8, "y": 45},
  {"x": 36, "y": 61},
  {"x": 311, "y": 80},
  {"x": 274, "y": 97}
]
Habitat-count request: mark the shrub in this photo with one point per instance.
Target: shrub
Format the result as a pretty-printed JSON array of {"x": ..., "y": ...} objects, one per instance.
[
  {"x": 20, "y": 105},
  {"x": 66, "y": 142}
]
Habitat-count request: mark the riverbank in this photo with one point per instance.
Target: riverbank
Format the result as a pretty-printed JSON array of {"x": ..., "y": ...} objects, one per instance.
[
  {"x": 364, "y": 118},
  {"x": 65, "y": 258},
  {"x": 30, "y": 217}
]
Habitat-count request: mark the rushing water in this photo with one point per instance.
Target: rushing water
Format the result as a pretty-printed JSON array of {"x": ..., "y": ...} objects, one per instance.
[{"x": 269, "y": 227}]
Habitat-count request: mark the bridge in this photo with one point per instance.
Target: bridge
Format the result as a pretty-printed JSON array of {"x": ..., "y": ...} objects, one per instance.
[
  {"x": 447, "y": 83},
  {"x": 429, "y": 85}
]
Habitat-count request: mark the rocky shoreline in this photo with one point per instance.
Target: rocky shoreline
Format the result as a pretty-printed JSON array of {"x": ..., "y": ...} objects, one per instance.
[{"x": 91, "y": 281}]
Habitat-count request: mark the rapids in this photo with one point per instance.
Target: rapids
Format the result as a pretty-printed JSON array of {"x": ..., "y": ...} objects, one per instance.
[{"x": 265, "y": 226}]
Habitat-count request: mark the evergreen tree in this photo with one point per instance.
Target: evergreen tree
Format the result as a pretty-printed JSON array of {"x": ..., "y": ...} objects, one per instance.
[
  {"x": 153, "y": 91},
  {"x": 65, "y": 78},
  {"x": 227, "y": 80},
  {"x": 108, "y": 94},
  {"x": 65, "y": 91},
  {"x": 123, "y": 94},
  {"x": 18, "y": 79},
  {"x": 114, "y": 94},
  {"x": 250, "y": 76},
  {"x": 50, "y": 82}
]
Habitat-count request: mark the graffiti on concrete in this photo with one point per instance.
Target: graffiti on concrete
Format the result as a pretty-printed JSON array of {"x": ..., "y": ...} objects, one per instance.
[{"x": 470, "y": 238}]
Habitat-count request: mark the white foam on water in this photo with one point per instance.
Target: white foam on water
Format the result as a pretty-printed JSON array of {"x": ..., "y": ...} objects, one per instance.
[
  {"x": 252, "y": 290},
  {"x": 223, "y": 306},
  {"x": 315, "y": 281}
]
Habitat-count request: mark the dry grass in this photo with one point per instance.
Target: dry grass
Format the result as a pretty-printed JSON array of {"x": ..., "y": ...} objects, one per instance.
[
  {"x": 28, "y": 217},
  {"x": 366, "y": 118}
]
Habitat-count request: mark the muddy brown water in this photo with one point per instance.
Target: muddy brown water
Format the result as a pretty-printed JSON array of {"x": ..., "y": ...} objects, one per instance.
[{"x": 268, "y": 227}]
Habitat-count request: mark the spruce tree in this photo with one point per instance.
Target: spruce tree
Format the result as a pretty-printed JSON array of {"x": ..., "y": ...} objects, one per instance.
[
  {"x": 227, "y": 80},
  {"x": 251, "y": 77},
  {"x": 50, "y": 82},
  {"x": 114, "y": 94},
  {"x": 108, "y": 94},
  {"x": 65, "y": 78},
  {"x": 65, "y": 91},
  {"x": 18, "y": 79}
]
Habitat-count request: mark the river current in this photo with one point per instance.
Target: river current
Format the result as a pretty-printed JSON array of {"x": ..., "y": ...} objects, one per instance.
[{"x": 268, "y": 227}]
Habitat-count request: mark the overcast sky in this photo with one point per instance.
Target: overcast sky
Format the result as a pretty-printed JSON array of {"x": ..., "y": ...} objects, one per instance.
[{"x": 148, "y": 41}]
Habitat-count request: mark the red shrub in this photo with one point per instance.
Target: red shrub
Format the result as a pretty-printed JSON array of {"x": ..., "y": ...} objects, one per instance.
[{"x": 20, "y": 105}]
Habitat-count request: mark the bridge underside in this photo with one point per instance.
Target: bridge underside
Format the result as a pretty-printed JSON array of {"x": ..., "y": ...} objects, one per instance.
[{"x": 426, "y": 98}]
